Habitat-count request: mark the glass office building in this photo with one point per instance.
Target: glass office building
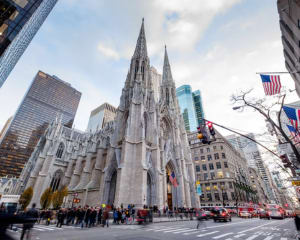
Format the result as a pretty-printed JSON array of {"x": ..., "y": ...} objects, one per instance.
[
  {"x": 47, "y": 97},
  {"x": 187, "y": 107},
  {"x": 19, "y": 22},
  {"x": 198, "y": 107}
]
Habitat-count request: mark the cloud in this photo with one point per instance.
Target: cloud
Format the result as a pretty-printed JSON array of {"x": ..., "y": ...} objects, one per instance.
[{"x": 108, "y": 51}]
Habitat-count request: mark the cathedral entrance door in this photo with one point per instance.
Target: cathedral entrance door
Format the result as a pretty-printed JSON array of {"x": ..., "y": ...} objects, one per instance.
[
  {"x": 112, "y": 188},
  {"x": 169, "y": 188}
]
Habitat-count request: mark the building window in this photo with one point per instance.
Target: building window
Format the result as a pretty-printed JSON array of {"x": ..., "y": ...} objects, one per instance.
[
  {"x": 209, "y": 157},
  {"x": 202, "y": 157},
  {"x": 196, "y": 158},
  {"x": 205, "y": 176},
  {"x": 216, "y": 156},
  {"x": 217, "y": 197},
  {"x": 230, "y": 185},
  {"x": 218, "y": 165},
  {"x": 60, "y": 150},
  {"x": 215, "y": 148},
  {"x": 225, "y": 196},
  {"x": 221, "y": 147},
  {"x": 232, "y": 196},
  {"x": 211, "y": 166},
  {"x": 212, "y": 175},
  {"x": 204, "y": 167},
  {"x": 207, "y": 149},
  {"x": 197, "y": 168},
  {"x": 225, "y": 164},
  {"x": 209, "y": 196},
  {"x": 220, "y": 174},
  {"x": 223, "y": 155},
  {"x": 201, "y": 150}
]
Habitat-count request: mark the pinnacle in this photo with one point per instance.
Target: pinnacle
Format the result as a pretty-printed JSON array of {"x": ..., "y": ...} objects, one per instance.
[
  {"x": 141, "y": 45},
  {"x": 167, "y": 74}
]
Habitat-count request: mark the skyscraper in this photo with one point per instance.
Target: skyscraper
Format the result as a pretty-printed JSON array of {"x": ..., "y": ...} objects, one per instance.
[
  {"x": 101, "y": 115},
  {"x": 198, "y": 107},
  {"x": 47, "y": 98},
  {"x": 19, "y": 22},
  {"x": 191, "y": 107}
]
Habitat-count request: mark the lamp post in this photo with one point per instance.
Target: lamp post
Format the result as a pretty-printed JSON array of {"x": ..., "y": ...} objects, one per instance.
[{"x": 223, "y": 199}]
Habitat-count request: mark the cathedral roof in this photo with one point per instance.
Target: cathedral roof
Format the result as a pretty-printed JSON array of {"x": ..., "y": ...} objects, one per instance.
[
  {"x": 141, "y": 45},
  {"x": 167, "y": 74}
]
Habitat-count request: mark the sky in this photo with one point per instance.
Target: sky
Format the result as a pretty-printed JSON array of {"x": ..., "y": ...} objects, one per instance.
[{"x": 216, "y": 46}]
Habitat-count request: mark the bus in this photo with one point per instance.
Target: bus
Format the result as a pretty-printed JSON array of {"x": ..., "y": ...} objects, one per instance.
[{"x": 10, "y": 202}]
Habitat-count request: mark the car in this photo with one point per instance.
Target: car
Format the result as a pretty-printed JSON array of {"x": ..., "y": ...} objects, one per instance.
[
  {"x": 209, "y": 214},
  {"x": 245, "y": 214},
  {"x": 201, "y": 215},
  {"x": 221, "y": 214},
  {"x": 264, "y": 214},
  {"x": 276, "y": 213}
]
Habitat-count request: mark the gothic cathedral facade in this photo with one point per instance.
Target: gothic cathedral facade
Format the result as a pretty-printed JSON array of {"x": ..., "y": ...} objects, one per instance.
[{"x": 130, "y": 160}]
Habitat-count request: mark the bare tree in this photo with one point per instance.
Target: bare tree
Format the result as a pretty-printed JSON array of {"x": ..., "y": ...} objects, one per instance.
[{"x": 242, "y": 101}]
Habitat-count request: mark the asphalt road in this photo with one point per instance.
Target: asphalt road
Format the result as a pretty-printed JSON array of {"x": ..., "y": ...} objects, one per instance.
[{"x": 238, "y": 229}]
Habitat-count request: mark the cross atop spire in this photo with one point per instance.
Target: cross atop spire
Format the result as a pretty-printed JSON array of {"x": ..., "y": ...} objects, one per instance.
[
  {"x": 167, "y": 74},
  {"x": 141, "y": 45}
]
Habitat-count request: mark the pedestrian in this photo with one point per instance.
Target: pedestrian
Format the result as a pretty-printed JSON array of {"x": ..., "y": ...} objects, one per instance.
[
  {"x": 93, "y": 216},
  {"x": 61, "y": 215},
  {"x": 99, "y": 215},
  {"x": 105, "y": 217},
  {"x": 31, "y": 215},
  {"x": 297, "y": 222}
]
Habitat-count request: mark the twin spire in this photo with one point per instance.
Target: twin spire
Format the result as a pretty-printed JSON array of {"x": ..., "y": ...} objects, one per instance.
[{"x": 141, "y": 52}]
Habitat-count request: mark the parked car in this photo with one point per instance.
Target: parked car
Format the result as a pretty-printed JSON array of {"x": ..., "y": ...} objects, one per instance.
[
  {"x": 264, "y": 214},
  {"x": 245, "y": 214},
  {"x": 221, "y": 214}
]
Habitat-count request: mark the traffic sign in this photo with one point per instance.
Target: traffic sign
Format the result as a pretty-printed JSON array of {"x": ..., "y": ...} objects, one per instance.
[{"x": 296, "y": 183}]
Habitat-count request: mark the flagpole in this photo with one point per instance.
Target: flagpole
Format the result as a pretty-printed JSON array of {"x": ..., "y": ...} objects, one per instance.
[{"x": 275, "y": 72}]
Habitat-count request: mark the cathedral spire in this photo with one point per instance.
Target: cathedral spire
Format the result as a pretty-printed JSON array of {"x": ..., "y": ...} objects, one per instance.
[
  {"x": 141, "y": 45},
  {"x": 167, "y": 74}
]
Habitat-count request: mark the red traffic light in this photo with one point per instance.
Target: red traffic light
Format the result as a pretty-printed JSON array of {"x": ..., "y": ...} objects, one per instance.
[{"x": 209, "y": 124}]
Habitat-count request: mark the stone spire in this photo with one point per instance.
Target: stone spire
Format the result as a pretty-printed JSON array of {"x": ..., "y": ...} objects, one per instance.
[
  {"x": 167, "y": 74},
  {"x": 141, "y": 45}
]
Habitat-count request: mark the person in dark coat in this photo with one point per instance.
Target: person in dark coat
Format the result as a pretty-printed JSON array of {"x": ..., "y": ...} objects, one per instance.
[
  {"x": 32, "y": 214},
  {"x": 61, "y": 215},
  {"x": 105, "y": 217},
  {"x": 93, "y": 216},
  {"x": 99, "y": 215}
]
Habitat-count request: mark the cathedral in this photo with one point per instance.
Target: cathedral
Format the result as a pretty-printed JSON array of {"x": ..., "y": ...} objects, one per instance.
[{"x": 131, "y": 159}]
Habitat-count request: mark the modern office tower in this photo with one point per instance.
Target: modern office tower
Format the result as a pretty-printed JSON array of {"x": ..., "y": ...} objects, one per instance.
[
  {"x": 4, "y": 129},
  {"x": 252, "y": 154},
  {"x": 156, "y": 82},
  {"x": 101, "y": 115},
  {"x": 19, "y": 22},
  {"x": 187, "y": 107},
  {"x": 199, "y": 107},
  {"x": 47, "y": 98},
  {"x": 290, "y": 31}
]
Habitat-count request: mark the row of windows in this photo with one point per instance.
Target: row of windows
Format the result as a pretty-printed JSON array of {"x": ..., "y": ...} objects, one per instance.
[
  {"x": 202, "y": 150},
  {"x": 217, "y": 197},
  {"x": 209, "y": 157},
  {"x": 211, "y": 166},
  {"x": 214, "y": 186}
]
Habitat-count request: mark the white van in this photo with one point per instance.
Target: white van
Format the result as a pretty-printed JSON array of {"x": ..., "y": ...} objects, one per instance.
[{"x": 10, "y": 202}]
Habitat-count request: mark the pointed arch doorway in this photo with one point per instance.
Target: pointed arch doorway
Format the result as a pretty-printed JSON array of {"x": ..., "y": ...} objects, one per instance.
[
  {"x": 171, "y": 200},
  {"x": 112, "y": 188}
]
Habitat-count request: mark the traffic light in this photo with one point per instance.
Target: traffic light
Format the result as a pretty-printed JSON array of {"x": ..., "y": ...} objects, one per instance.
[
  {"x": 211, "y": 128},
  {"x": 200, "y": 134},
  {"x": 285, "y": 161}
]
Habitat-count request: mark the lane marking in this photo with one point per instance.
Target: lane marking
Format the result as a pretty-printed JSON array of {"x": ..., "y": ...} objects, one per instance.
[
  {"x": 268, "y": 238},
  {"x": 195, "y": 231},
  {"x": 223, "y": 235},
  {"x": 240, "y": 235},
  {"x": 283, "y": 238},
  {"x": 205, "y": 234},
  {"x": 250, "y": 229},
  {"x": 229, "y": 224},
  {"x": 252, "y": 237},
  {"x": 164, "y": 229},
  {"x": 189, "y": 230},
  {"x": 228, "y": 239}
]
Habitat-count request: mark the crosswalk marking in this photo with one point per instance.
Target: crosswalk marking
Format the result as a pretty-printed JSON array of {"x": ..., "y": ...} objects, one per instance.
[
  {"x": 175, "y": 230},
  {"x": 205, "y": 234},
  {"x": 240, "y": 235},
  {"x": 228, "y": 239},
  {"x": 183, "y": 231},
  {"x": 195, "y": 231},
  {"x": 164, "y": 229},
  {"x": 283, "y": 238},
  {"x": 252, "y": 237},
  {"x": 223, "y": 235},
  {"x": 268, "y": 238}
]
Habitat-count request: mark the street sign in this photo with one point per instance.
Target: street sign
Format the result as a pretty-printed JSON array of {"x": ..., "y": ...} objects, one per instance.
[
  {"x": 296, "y": 183},
  {"x": 199, "y": 191}
]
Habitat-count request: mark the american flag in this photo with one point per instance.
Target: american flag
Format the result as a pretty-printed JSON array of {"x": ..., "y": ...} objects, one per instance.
[
  {"x": 294, "y": 133},
  {"x": 173, "y": 179},
  {"x": 271, "y": 84},
  {"x": 293, "y": 115}
]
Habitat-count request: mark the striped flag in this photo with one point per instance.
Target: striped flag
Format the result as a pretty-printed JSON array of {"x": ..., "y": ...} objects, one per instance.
[
  {"x": 173, "y": 179},
  {"x": 293, "y": 115},
  {"x": 294, "y": 133},
  {"x": 271, "y": 84}
]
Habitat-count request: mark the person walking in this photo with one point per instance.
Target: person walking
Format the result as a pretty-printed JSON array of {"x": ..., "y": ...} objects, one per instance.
[
  {"x": 32, "y": 215},
  {"x": 105, "y": 217}
]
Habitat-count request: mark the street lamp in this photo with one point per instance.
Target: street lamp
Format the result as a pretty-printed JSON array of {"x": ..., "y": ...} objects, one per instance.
[{"x": 237, "y": 107}]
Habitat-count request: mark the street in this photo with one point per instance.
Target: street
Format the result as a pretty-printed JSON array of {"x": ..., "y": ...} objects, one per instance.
[{"x": 246, "y": 229}]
